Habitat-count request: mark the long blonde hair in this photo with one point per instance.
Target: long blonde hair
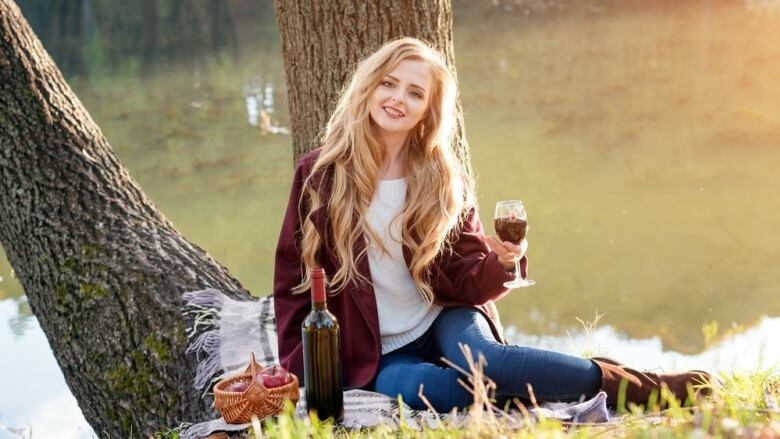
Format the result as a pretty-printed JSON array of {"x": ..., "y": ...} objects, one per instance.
[{"x": 437, "y": 186}]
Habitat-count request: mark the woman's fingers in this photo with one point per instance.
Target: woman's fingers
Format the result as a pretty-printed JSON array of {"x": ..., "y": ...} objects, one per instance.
[
  {"x": 517, "y": 249},
  {"x": 505, "y": 256},
  {"x": 511, "y": 248},
  {"x": 507, "y": 250},
  {"x": 496, "y": 245}
]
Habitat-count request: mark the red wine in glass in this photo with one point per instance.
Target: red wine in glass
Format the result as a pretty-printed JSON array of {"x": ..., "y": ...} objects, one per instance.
[
  {"x": 511, "y": 226},
  {"x": 511, "y": 229}
]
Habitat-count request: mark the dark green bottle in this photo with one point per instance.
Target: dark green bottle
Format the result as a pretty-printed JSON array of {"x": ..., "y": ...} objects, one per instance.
[{"x": 322, "y": 355}]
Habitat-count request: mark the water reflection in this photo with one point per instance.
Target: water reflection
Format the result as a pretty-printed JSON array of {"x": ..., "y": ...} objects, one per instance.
[
  {"x": 92, "y": 38},
  {"x": 643, "y": 143},
  {"x": 260, "y": 106},
  {"x": 9, "y": 287},
  {"x": 770, "y": 7},
  {"x": 533, "y": 7},
  {"x": 529, "y": 8},
  {"x": 35, "y": 397},
  {"x": 750, "y": 350},
  {"x": 23, "y": 320}
]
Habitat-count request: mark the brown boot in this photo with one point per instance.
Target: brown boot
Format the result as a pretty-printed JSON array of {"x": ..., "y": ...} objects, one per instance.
[{"x": 639, "y": 385}]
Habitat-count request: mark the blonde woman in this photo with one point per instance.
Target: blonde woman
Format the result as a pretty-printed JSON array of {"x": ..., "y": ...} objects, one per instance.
[{"x": 386, "y": 209}]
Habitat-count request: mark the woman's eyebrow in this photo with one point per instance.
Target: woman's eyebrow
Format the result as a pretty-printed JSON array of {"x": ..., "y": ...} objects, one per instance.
[{"x": 398, "y": 80}]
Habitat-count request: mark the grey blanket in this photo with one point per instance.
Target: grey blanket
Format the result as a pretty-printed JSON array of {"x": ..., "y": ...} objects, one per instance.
[{"x": 224, "y": 331}]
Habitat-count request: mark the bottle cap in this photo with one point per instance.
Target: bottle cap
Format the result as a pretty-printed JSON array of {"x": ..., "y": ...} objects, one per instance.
[{"x": 317, "y": 273}]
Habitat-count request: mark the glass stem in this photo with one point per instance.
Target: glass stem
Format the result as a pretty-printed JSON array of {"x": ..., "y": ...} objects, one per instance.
[{"x": 517, "y": 270}]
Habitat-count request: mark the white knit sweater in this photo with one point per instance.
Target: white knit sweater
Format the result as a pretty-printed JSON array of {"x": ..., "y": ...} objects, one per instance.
[{"x": 403, "y": 313}]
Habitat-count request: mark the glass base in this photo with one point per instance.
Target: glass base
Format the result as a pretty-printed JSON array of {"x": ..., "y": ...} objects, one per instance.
[{"x": 519, "y": 283}]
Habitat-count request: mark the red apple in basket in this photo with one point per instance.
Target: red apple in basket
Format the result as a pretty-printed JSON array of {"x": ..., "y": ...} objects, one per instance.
[
  {"x": 238, "y": 386},
  {"x": 273, "y": 376}
]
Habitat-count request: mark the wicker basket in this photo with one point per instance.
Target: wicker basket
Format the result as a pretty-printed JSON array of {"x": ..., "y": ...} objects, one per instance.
[{"x": 238, "y": 407}]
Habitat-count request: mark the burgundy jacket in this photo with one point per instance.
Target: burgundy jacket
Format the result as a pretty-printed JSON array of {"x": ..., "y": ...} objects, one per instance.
[{"x": 469, "y": 276}]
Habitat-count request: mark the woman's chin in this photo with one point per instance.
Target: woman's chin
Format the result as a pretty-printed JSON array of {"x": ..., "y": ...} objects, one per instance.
[{"x": 393, "y": 128}]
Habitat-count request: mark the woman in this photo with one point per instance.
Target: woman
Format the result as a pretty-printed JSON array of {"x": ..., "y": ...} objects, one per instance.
[{"x": 386, "y": 209}]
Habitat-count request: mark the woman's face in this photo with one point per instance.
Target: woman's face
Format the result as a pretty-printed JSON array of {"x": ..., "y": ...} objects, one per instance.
[{"x": 401, "y": 98}]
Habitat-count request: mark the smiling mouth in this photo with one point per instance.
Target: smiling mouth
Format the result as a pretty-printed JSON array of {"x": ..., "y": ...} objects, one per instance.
[{"x": 392, "y": 112}]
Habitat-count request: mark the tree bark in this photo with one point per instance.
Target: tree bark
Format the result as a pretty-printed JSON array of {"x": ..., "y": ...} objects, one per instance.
[
  {"x": 323, "y": 40},
  {"x": 102, "y": 268}
]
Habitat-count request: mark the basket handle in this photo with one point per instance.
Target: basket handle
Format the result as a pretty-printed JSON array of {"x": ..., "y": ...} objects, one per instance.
[{"x": 253, "y": 365}]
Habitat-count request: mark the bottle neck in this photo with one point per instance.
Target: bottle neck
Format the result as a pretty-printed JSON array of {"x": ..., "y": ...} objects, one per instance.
[{"x": 319, "y": 306}]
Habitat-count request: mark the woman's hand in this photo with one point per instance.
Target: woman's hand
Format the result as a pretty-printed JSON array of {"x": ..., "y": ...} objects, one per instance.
[{"x": 507, "y": 252}]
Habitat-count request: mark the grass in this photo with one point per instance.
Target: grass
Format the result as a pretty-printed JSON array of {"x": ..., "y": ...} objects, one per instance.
[
  {"x": 745, "y": 405},
  {"x": 741, "y": 410}
]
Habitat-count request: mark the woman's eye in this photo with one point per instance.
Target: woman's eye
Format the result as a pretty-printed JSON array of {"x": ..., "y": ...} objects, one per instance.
[
  {"x": 417, "y": 95},
  {"x": 387, "y": 83}
]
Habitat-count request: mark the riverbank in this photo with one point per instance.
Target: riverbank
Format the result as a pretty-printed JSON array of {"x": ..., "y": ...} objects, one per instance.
[{"x": 746, "y": 406}]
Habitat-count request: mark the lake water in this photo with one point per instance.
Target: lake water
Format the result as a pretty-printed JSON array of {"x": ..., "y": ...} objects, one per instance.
[{"x": 643, "y": 136}]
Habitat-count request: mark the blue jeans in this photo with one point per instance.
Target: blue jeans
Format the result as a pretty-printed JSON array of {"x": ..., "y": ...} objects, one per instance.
[{"x": 553, "y": 376}]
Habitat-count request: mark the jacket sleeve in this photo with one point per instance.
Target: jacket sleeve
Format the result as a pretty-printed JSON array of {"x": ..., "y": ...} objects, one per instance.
[
  {"x": 473, "y": 269},
  {"x": 290, "y": 309}
]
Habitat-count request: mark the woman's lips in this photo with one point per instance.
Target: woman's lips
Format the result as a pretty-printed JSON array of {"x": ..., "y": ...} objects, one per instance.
[{"x": 392, "y": 112}]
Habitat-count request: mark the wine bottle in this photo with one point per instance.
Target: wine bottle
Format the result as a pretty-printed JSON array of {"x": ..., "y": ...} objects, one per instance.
[{"x": 322, "y": 355}]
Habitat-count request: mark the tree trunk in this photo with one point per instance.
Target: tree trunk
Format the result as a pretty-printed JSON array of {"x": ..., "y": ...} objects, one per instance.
[
  {"x": 102, "y": 268},
  {"x": 323, "y": 40}
]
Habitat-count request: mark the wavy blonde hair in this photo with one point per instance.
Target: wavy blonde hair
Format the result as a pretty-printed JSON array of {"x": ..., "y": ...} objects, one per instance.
[{"x": 437, "y": 186}]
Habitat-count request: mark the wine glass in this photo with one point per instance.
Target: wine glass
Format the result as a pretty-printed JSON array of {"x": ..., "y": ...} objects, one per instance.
[{"x": 512, "y": 225}]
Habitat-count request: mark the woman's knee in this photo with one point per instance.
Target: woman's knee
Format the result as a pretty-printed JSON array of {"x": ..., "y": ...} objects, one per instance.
[
  {"x": 464, "y": 338},
  {"x": 395, "y": 385},
  {"x": 466, "y": 325},
  {"x": 400, "y": 379}
]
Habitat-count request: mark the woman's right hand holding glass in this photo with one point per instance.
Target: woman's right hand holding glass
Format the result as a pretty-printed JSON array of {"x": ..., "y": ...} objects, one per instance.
[{"x": 507, "y": 252}]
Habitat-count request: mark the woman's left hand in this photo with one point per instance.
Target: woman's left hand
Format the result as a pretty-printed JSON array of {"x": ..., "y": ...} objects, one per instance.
[{"x": 507, "y": 252}]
